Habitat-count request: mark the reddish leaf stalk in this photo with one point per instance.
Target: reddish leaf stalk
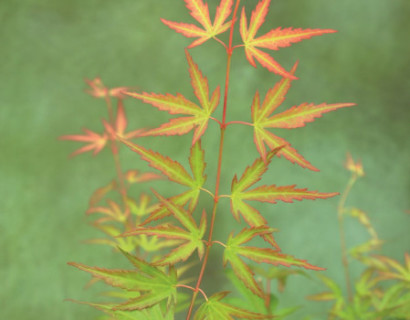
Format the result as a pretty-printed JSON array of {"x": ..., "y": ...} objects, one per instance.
[
  {"x": 193, "y": 289},
  {"x": 118, "y": 168},
  {"x": 340, "y": 216},
  {"x": 239, "y": 122},
  {"x": 229, "y": 51}
]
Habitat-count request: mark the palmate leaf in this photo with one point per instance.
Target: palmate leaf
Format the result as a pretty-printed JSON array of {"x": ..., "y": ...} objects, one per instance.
[
  {"x": 120, "y": 125},
  {"x": 234, "y": 248},
  {"x": 272, "y": 194},
  {"x": 192, "y": 239},
  {"x": 354, "y": 167},
  {"x": 101, "y": 192},
  {"x": 215, "y": 309},
  {"x": 198, "y": 116},
  {"x": 134, "y": 176},
  {"x": 199, "y": 11},
  {"x": 248, "y": 299},
  {"x": 294, "y": 117},
  {"x": 179, "y": 200},
  {"x": 144, "y": 314},
  {"x": 113, "y": 211},
  {"x": 95, "y": 142},
  {"x": 170, "y": 168},
  {"x": 98, "y": 90},
  {"x": 396, "y": 270},
  {"x": 152, "y": 284},
  {"x": 274, "y": 39},
  {"x": 251, "y": 175},
  {"x": 241, "y": 269},
  {"x": 142, "y": 207},
  {"x": 177, "y": 173}
]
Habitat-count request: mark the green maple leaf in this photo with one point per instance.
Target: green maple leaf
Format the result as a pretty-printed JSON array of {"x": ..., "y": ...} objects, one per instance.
[
  {"x": 152, "y": 284},
  {"x": 295, "y": 117},
  {"x": 176, "y": 173},
  {"x": 191, "y": 238},
  {"x": 198, "y": 116},
  {"x": 240, "y": 193},
  {"x": 215, "y": 309},
  {"x": 234, "y": 249}
]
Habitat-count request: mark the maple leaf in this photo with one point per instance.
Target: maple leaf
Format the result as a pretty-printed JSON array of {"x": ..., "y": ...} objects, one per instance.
[
  {"x": 98, "y": 90},
  {"x": 192, "y": 238},
  {"x": 272, "y": 193},
  {"x": 154, "y": 312},
  {"x": 120, "y": 125},
  {"x": 96, "y": 142},
  {"x": 397, "y": 270},
  {"x": 134, "y": 176},
  {"x": 178, "y": 104},
  {"x": 251, "y": 175},
  {"x": 199, "y": 11},
  {"x": 274, "y": 39},
  {"x": 214, "y": 309},
  {"x": 335, "y": 292},
  {"x": 355, "y": 167},
  {"x": 295, "y": 117},
  {"x": 179, "y": 200},
  {"x": 142, "y": 208},
  {"x": 113, "y": 211},
  {"x": 177, "y": 173},
  {"x": 234, "y": 248},
  {"x": 153, "y": 284},
  {"x": 101, "y": 192}
]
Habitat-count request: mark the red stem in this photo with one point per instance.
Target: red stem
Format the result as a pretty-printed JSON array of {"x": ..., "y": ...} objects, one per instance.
[{"x": 229, "y": 51}]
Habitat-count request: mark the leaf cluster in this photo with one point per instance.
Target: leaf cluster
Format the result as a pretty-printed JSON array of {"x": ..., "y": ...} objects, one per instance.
[
  {"x": 382, "y": 291},
  {"x": 164, "y": 236}
]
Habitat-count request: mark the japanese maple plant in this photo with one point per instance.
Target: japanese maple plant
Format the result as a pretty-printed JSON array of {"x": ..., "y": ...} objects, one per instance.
[{"x": 160, "y": 237}]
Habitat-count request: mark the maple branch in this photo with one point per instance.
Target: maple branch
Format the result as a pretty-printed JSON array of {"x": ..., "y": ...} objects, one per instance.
[
  {"x": 218, "y": 176},
  {"x": 340, "y": 211},
  {"x": 114, "y": 150}
]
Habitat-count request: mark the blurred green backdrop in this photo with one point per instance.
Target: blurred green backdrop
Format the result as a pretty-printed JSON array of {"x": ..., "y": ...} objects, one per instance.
[{"x": 47, "y": 47}]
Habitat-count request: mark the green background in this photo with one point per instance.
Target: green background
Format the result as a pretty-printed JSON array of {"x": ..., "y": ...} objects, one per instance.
[{"x": 48, "y": 47}]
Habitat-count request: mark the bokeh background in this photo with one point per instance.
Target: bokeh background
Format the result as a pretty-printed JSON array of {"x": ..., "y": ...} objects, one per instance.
[{"x": 48, "y": 47}]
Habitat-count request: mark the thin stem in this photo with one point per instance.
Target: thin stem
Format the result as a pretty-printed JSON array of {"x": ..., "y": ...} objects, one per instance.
[
  {"x": 220, "y": 243},
  {"x": 239, "y": 122},
  {"x": 120, "y": 175},
  {"x": 238, "y": 46},
  {"x": 208, "y": 192},
  {"x": 218, "y": 175},
  {"x": 340, "y": 213},
  {"x": 221, "y": 42},
  {"x": 193, "y": 289},
  {"x": 216, "y": 120}
]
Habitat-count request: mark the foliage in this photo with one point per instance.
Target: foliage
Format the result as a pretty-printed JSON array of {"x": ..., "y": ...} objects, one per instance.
[
  {"x": 371, "y": 297},
  {"x": 161, "y": 237}
]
